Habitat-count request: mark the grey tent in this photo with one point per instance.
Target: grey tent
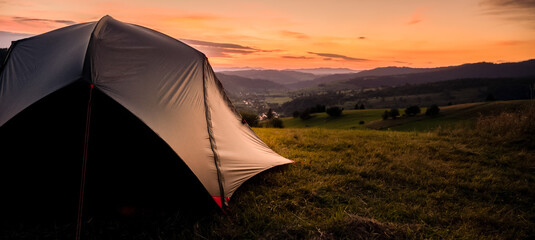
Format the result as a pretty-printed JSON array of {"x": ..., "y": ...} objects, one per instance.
[{"x": 166, "y": 84}]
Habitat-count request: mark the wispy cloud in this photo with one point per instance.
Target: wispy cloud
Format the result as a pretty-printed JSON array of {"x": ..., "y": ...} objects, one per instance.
[
  {"x": 42, "y": 20},
  {"x": 416, "y": 17},
  {"x": 217, "y": 45},
  {"x": 510, "y": 4},
  {"x": 512, "y": 10},
  {"x": 414, "y": 21},
  {"x": 297, "y": 57},
  {"x": 215, "y": 49},
  {"x": 291, "y": 34},
  {"x": 337, "y": 56}
]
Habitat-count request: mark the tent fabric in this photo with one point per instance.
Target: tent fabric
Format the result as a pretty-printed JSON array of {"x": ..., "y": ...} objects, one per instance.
[{"x": 165, "y": 83}]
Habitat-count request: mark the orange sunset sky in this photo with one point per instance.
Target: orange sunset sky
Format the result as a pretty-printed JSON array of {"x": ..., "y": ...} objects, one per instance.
[{"x": 356, "y": 34}]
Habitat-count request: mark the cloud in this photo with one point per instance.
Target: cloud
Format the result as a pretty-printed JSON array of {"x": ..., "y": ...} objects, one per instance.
[
  {"x": 291, "y": 34},
  {"x": 215, "y": 49},
  {"x": 297, "y": 57},
  {"x": 7, "y": 37},
  {"x": 402, "y": 62},
  {"x": 513, "y": 10},
  {"x": 414, "y": 21},
  {"x": 338, "y": 56},
  {"x": 42, "y": 20},
  {"x": 216, "y": 45},
  {"x": 416, "y": 17},
  {"x": 514, "y": 4}
]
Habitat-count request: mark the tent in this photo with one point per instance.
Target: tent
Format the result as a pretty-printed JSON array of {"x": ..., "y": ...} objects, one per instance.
[{"x": 83, "y": 100}]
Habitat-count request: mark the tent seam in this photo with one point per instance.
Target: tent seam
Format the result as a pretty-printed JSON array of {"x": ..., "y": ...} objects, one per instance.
[{"x": 211, "y": 138}]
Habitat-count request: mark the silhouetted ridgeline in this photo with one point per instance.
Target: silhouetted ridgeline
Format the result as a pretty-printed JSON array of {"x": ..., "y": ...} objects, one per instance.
[
  {"x": 278, "y": 76},
  {"x": 473, "y": 70}
]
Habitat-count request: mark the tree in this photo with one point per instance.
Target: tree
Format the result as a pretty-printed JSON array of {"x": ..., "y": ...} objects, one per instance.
[
  {"x": 433, "y": 110},
  {"x": 385, "y": 115},
  {"x": 412, "y": 110},
  {"x": 334, "y": 111},
  {"x": 394, "y": 113},
  {"x": 362, "y": 106},
  {"x": 270, "y": 114},
  {"x": 317, "y": 109},
  {"x": 249, "y": 118}
]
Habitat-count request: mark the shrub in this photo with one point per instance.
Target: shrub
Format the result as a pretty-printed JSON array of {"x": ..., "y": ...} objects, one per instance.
[
  {"x": 334, "y": 111},
  {"x": 433, "y": 110},
  {"x": 361, "y": 106},
  {"x": 361, "y": 122},
  {"x": 394, "y": 113},
  {"x": 490, "y": 98},
  {"x": 295, "y": 114},
  {"x": 305, "y": 115},
  {"x": 412, "y": 110},
  {"x": 249, "y": 118}
]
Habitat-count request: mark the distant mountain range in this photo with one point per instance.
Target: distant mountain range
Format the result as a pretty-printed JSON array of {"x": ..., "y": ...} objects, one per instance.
[
  {"x": 325, "y": 71},
  {"x": 277, "y": 76},
  {"x": 384, "y": 76},
  {"x": 473, "y": 70},
  {"x": 237, "y": 84}
]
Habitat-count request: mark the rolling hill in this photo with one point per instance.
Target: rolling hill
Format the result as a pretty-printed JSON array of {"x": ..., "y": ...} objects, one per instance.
[
  {"x": 277, "y": 76},
  {"x": 449, "y": 116},
  {"x": 237, "y": 84}
]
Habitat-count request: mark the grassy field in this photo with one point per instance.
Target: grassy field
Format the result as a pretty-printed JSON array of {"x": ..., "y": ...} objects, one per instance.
[
  {"x": 463, "y": 182},
  {"x": 450, "y": 116},
  {"x": 278, "y": 99},
  {"x": 365, "y": 184},
  {"x": 475, "y": 182},
  {"x": 349, "y": 120}
]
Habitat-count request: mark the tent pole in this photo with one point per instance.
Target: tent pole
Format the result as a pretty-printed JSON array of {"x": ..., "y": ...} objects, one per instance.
[{"x": 84, "y": 164}]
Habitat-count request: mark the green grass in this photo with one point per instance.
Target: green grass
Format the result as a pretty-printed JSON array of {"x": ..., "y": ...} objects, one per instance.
[
  {"x": 365, "y": 184},
  {"x": 349, "y": 120},
  {"x": 449, "y": 117},
  {"x": 279, "y": 100}
]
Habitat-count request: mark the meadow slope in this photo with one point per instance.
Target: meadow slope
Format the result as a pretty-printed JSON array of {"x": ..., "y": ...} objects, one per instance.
[
  {"x": 365, "y": 184},
  {"x": 475, "y": 182}
]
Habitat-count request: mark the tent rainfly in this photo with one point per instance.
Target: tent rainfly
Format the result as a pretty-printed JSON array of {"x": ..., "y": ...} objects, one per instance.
[{"x": 169, "y": 86}]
